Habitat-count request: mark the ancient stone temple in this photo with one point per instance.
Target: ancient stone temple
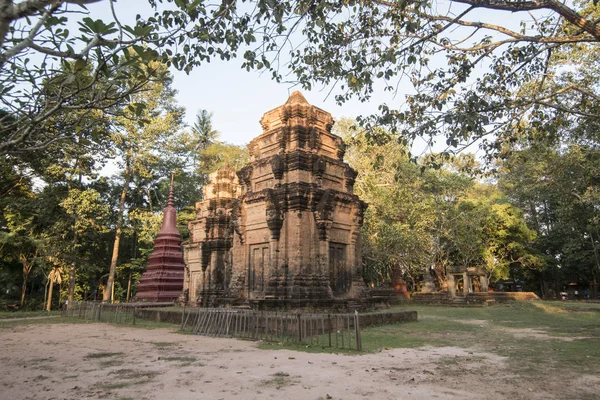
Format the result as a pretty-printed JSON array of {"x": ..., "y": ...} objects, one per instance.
[
  {"x": 207, "y": 255},
  {"x": 163, "y": 279},
  {"x": 293, "y": 230}
]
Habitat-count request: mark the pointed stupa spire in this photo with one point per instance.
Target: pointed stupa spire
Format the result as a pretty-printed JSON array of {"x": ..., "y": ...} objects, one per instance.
[
  {"x": 169, "y": 225},
  {"x": 163, "y": 279},
  {"x": 296, "y": 98},
  {"x": 171, "y": 201}
]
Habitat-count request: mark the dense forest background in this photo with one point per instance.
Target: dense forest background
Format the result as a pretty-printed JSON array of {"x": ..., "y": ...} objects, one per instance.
[{"x": 91, "y": 132}]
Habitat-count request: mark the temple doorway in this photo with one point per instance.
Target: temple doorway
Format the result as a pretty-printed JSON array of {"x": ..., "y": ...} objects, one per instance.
[
  {"x": 338, "y": 275},
  {"x": 259, "y": 257}
]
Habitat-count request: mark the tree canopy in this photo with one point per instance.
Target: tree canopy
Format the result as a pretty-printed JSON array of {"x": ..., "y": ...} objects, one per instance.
[
  {"x": 421, "y": 218},
  {"x": 466, "y": 75}
]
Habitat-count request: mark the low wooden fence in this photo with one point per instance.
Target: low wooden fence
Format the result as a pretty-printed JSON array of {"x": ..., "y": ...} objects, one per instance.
[
  {"x": 96, "y": 311},
  {"x": 325, "y": 330}
]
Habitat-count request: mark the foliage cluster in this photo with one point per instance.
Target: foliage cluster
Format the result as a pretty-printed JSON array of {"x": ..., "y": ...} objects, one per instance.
[{"x": 426, "y": 220}]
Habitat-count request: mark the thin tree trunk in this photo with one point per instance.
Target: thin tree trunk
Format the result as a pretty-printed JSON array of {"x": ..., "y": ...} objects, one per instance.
[
  {"x": 26, "y": 271},
  {"x": 115, "y": 256},
  {"x": 49, "y": 303},
  {"x": 71, "y": 293},
  {"x": 72, "y": 272},
  {"x": 597, "y": 260},
  {"x": 24, "y": 287},
  {"x": 129, "y": 287},
  {"x": 27, "y": 267}
]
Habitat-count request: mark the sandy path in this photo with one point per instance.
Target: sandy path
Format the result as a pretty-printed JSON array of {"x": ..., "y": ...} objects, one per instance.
[{"x": 64, "y": 361}]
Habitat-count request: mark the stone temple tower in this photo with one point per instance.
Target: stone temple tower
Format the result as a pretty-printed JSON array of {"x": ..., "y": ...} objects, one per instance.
[
  {"x": 207, "y": 254},
  {"x": 163, "y": 279},
  {"x": 297, "y": 223}
]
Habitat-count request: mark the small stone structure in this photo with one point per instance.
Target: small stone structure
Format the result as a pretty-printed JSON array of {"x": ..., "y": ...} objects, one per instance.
[
  {"x": 207, "y": 255},
  {"x": 163, "y": 279},
  {"x": 467, "y": 280},
  {"x": 291, "y": 236}
]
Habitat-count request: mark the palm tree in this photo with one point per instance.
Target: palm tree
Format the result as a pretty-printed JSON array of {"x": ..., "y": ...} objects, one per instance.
[
  {"x": 54, "y": 277},
  {"x": 204, "y": 132}
]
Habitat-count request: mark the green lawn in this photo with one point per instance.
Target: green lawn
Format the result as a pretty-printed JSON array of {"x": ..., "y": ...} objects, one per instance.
[
  {"x": 532, "y": 335},
  {"x": 27, "y": 314}
]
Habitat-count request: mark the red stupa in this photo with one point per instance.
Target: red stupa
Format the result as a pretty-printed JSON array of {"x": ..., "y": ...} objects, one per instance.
[{"x": 163, "y": 279}]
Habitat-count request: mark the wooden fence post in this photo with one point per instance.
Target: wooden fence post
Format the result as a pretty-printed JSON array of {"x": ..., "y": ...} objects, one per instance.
[
  {"x": 357, "y": 331},
  {"x": 299, "y": 328},
  {"x": 329, "y": 327},
  {"x": 182, "y": 317}
]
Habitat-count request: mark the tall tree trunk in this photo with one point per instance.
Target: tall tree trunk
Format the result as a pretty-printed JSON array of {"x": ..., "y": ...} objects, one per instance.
[
  {"x": 27, "y": 267},
  {"x": 71, "y": 293},
  {"x": 129, "y": 287},
  {"x": 107, "y": 298},
  {"x": 24, "y": 287},
  {"x": 594, "y": 270},
  {"x": 49, "y": 302},
  {"x": 72, "y": 271}
]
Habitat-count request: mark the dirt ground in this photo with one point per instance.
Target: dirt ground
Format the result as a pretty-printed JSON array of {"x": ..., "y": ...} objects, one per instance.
[{"x": 93, "y": 361}]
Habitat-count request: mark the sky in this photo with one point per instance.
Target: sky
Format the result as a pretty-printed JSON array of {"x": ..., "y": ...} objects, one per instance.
[{"x": 238, "y": 98}]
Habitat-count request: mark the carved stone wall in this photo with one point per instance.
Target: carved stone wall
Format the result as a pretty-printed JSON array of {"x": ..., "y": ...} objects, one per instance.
[{"x": 207, "y": 254}]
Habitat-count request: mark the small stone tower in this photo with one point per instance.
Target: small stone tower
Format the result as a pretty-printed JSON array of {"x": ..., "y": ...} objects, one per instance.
[
  {"x": 163, "y": 279},
  {"x": 207, "y": 253}
]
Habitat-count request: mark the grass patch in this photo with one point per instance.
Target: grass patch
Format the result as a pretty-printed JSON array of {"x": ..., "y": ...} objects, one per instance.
[
  {"x": 110, "y": 363},
  {"x": 179, "y": 359},
  {"x": 164, "y": 344},
  {"x": 41, "y": 360},
  {"x": 129, "y": 377},
  {"x": 9, "y": 323},
  {"x": 102, "y": 355},
  {"x": 127, "y": 373},
  {"x": 278, "y": 379},
  {"x": 117, "y": 385},
  {"x": 27, "y": 314},
  {"x": 15, "y": 319}
]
